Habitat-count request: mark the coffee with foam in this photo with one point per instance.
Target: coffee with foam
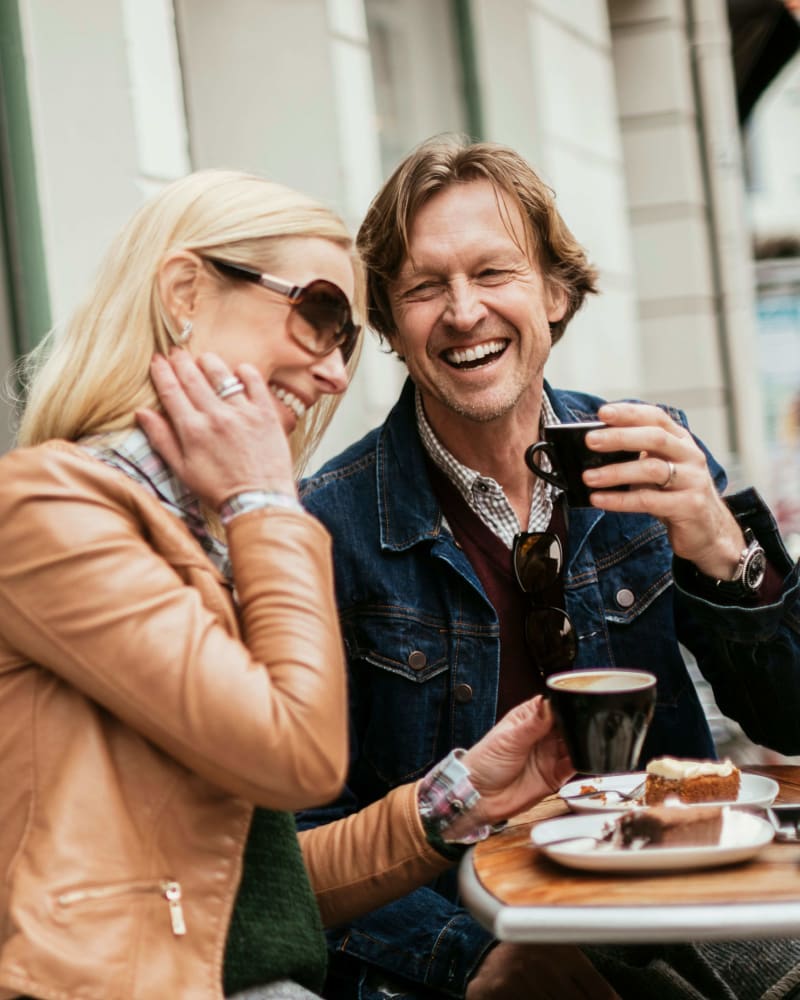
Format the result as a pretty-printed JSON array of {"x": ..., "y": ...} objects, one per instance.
[
  {"x": 602, "y": 680},
  {"x": 604, "y": 713}
]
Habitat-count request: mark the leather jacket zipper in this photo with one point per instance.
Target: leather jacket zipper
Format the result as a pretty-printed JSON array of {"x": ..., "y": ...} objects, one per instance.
[{"x": 169, "y": 889}]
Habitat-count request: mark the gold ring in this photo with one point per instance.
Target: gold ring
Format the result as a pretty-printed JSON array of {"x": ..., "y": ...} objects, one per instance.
[{"x": 670, "y": 475}]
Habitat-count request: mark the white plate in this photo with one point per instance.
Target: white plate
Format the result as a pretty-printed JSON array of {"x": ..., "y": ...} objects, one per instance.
[
  {"x": 743, "y": 835},
  {"x": 755, "y": 791}
]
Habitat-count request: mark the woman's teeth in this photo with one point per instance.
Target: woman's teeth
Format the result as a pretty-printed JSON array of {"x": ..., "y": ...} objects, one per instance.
[
  {"x": 297, "y": 406},
  {"x": 468, "y": 355}
]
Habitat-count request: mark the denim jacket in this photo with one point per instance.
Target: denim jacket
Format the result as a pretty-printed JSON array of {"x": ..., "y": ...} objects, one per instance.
[{"x": 422, "y": 642}]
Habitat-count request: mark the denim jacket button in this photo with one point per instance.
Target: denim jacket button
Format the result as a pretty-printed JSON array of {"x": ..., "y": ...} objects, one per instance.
[
  {"x": 417, "y": 660},
  {"x": 463, "y": 693},
  {"x": 624, "y": 598}
]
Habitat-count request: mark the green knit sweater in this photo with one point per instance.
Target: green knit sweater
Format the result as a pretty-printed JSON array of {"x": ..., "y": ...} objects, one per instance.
[{"x": 275, "y": 930}]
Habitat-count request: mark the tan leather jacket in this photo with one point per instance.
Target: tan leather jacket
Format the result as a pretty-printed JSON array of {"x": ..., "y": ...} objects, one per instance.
[{"x": 137, "y": 729}]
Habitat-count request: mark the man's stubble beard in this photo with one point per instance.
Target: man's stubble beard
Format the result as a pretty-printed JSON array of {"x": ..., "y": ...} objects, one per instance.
[{"x": 485, "y": 413}]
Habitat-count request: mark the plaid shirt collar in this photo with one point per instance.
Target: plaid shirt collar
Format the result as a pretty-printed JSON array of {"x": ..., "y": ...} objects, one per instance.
[
  {"x": 134, "y": 456},
  {"x": 483, "y": 494}
]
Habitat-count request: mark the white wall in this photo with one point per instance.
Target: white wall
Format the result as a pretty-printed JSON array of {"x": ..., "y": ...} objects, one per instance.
[{"x": 84, "y": 135}]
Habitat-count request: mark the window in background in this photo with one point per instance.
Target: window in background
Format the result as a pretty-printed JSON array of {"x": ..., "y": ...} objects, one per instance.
[{"x": 422, "y": 82}]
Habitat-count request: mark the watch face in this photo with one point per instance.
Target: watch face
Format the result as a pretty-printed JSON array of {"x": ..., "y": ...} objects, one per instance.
[{"x": 754, "y": 569}]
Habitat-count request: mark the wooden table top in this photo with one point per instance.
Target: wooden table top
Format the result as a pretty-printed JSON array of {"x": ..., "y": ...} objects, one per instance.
[{"x": 517, "y": 874}]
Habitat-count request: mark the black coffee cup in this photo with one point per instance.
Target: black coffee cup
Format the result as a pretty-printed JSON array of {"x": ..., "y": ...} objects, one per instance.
[
  {"x": 604, "y": 714},
  {"x": 565, "y": 447}
]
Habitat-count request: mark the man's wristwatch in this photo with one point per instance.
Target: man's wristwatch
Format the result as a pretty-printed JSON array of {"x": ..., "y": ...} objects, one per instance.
[{"x": 749, "y": 573}]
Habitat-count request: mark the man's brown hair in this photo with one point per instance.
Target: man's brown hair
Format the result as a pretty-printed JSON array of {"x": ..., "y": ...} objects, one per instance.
[{"x": 445, "y": 160}]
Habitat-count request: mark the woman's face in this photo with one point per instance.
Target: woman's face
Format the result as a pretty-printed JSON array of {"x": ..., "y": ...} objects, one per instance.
[{"x": 243, "y": 322}]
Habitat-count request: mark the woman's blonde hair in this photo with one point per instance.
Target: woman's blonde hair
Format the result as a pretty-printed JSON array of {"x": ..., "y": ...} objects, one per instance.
[{"x": 90, "y": 376}]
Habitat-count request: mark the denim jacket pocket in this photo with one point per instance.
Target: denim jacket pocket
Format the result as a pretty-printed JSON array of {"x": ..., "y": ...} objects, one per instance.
[
  {"x": 399, "y": 668},
  {"x": 635, "y": 574},
  {"x": 636, "y": 591}
]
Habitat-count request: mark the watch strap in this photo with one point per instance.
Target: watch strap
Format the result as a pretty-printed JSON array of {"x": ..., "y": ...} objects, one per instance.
[{"x": 749, "y": 573}]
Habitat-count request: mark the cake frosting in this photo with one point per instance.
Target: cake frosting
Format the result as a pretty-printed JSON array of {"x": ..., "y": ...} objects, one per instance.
[
  {"x": 675, "y": 769},
  {"x": 690, "y": 780}
]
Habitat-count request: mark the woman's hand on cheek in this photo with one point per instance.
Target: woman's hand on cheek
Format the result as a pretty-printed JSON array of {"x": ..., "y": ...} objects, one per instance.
[{"x": 217, "y": 447}]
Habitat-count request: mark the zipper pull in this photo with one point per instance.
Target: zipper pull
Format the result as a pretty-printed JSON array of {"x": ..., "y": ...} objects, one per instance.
[{"x": 172, "y": 894}]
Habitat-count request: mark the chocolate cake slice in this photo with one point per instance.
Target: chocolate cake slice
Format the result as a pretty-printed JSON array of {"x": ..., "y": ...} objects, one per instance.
[{"x": 667, "y": 826}]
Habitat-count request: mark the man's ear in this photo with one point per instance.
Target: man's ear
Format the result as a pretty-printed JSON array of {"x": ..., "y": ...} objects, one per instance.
[
  {"x": 178, "y": 283},
  {"x": 557, "y": 302}
]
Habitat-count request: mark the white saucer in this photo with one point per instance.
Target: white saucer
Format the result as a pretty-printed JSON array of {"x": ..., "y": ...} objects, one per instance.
[
  {"x": 755, "y": 791},
  {"x": 743, "y": 835}
]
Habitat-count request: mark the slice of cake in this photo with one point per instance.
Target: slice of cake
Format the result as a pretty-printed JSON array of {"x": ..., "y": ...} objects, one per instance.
[
  {"x": 667, "y": 826},
  {"x": 691, "y": 780}
]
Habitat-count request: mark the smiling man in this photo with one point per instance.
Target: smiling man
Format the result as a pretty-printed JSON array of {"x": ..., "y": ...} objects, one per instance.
[{"x": 446, "y": 601}]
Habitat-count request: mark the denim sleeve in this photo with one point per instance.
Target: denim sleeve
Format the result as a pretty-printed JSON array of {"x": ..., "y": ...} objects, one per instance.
[
  {"x": 422, "y": 938},
  {"x": 749, "y": 655}
]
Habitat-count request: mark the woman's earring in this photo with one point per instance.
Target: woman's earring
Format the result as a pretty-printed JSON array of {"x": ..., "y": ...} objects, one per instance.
[{"x": 186, "y": 332}]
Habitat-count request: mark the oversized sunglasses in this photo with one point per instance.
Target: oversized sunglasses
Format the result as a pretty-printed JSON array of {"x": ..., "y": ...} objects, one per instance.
[
  {"x": 549, "y": 634},
  {"x": 321, "y": 316}
]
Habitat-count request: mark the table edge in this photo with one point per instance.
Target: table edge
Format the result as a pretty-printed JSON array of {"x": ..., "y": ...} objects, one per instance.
[{"x": 620, "y": 924}]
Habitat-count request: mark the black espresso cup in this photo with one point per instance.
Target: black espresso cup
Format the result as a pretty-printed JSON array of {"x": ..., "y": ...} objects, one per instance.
[
  {"x": 604, "y": 714},
  {"x": 566, "y": 449}
]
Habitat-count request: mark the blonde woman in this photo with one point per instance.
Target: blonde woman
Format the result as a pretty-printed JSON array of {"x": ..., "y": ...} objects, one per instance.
[{"x": 171, "y": 671}]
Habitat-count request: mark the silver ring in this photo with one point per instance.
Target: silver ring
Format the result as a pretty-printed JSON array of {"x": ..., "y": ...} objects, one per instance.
[
  {"x": 670, "y": 477},
  {"x": 229, "y": 387},
  {"x": 229, "y": 380}
]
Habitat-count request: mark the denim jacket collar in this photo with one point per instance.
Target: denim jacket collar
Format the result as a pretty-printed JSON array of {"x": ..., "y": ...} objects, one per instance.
[{"x": 408, "y": 509}]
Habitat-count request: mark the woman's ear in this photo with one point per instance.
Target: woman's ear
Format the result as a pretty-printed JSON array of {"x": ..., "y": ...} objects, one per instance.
[{"x": 178, "y": 285}]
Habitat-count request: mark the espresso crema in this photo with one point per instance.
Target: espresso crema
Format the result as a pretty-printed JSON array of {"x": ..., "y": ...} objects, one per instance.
[{"x": 601, "y": 680}]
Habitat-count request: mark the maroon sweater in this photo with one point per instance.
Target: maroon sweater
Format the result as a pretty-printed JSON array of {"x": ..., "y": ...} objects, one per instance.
[{"x": 520, "y": 677}]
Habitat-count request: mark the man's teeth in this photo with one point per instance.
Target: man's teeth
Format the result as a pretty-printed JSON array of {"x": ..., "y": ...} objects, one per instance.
[
  {"x": 460, "y": 357},
  {"x": 297, "y": 406}
]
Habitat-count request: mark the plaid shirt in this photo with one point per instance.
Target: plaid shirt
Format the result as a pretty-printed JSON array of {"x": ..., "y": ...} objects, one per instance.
[
  {"x": 445, "y": 797},
  {"x": 134, "y": 456},
  {"x": 483, "y": 494}
]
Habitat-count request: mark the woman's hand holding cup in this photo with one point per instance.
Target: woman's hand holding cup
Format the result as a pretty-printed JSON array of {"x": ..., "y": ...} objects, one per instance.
[{"x": 519, "y": 761}]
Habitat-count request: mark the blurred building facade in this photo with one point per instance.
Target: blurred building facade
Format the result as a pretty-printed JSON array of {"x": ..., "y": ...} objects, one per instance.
[
  {"x": 627, "y": 108},
  {"x": 772, "y": 144}
]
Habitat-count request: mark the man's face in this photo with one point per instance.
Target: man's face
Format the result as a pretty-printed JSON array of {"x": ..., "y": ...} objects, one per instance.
[{"x": 471, "y": 309}]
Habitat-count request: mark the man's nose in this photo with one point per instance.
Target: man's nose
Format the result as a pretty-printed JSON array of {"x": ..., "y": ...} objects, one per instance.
[{"x": 465, "y": 307}]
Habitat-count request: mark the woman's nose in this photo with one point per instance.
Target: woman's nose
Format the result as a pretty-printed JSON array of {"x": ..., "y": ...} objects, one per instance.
[{"x": 331, "y": 371}]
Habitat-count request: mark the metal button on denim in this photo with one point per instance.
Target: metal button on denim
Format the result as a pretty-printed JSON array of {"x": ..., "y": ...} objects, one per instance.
[
  {"x": 624, "y": 598},
  {"x": 463, "y": 693},
  {"x": 417, "y": 659}
]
